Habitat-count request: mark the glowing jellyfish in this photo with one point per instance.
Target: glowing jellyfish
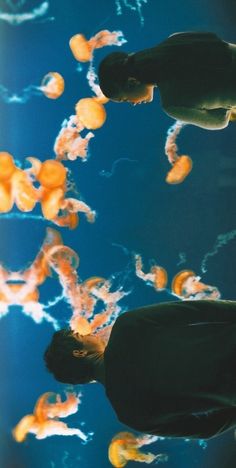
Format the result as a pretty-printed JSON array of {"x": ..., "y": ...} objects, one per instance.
[
  {"x": 187, "y": 285},
  {"x": 53, "y": 85},
  {"x": 82, "y": 49},
  {"x": 157, "y": 277},
  {"x": 44, "y": 420},
  {"x": 125, "y": 446},
  {"x": 180, "y": 170},
  {"x": 91, "y": 113}
]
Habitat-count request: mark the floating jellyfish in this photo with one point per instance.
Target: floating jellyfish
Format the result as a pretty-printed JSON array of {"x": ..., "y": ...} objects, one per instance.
[
  {"x": 157, "y": 277},
  {"x": 187, "y": 285},
  {"x": 90, "y": 113},
  {"x": 53, "y": 85},
  {"x": 83, "y": 297},
  {"x": 180, "y": 170},
  {"x": 69, "y": 144},
  {"x": 44, "y": 420},
  {"x": 182, "y": 165},
  {"x": 82, "y": 49},
  {"x": 125, "y": 446},
  {"x": 18, "y": 18},
  {"x": 21, "y": 287}
]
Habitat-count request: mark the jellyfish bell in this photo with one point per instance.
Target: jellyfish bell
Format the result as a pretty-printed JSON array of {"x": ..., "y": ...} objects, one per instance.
[
  {"x": 80, "y": 48},
  {"x": 51, "y": 202},
  {"x": 180, "y": 170},
  {"x": 80, "y": 325},
  {"x": 52, "y": 85},
  {"x": 179, "y": 280},
  {"x": 161, "y": 277},
  {"x": 91, "y": 113},
  {"x": 93, "y": 281},
  {"x": 51, "y": 174},
  {"x": 116, "y": 453},
  {"x": 60, "y": 255},
  {"x": 41, "y": 406},
  {"x": 7, "y": 166},
  {"x": 6, "y": 197},
  {"x": 23, "y": 428}
]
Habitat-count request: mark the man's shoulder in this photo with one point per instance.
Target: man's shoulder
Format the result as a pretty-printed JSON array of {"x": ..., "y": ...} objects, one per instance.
[{"x": 192, "y": 37}]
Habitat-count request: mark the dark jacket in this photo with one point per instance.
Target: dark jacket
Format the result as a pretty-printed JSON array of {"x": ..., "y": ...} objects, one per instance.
[{"x": 171, "y": 368}]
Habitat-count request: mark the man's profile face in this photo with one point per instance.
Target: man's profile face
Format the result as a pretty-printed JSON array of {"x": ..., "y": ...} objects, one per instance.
[{"x": 135, "y": 93}]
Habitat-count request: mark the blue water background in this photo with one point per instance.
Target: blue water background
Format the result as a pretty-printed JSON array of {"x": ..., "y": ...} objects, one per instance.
[{"x": 136, "y": 209}]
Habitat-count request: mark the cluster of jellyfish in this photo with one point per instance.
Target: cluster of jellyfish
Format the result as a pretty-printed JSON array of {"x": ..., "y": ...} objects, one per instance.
[{"x": 94, "y": 302}]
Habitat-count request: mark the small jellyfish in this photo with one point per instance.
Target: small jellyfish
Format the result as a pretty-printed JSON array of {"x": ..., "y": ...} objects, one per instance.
[
  {"x": 69, "y": 144},
  {"x": 52, "y": 85},
  {"x": 91, "y": 113},
  {"x": 157, "y": 277},
  {"x": 187, "y": 285},
  {"x": 182, "y": 165},
  {"x": 82, "y": 49},
  {"x": 180, "y": 170},
  {"x": 124, "y": 447}
]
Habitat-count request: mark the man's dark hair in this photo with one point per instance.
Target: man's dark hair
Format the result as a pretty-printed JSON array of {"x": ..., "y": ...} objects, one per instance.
[
  {"x": 113, "y": 74},
  {"x": 62, "y": 364}
]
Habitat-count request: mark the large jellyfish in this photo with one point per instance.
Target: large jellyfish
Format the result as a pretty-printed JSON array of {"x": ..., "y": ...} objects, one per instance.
[
  {"x": 44, "y": 420},
  {"x": 187, "y": 285},
  {"x": 125, "y": 446},
  {"x": 82, "y": 49},
  {"x": 182, "y": 165},
  {"x": 157, "y": 277}
]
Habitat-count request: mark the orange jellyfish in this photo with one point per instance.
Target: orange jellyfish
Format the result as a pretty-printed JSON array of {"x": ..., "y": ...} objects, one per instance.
[
  {"x": 44, "y": 420},
  {"x": 157, "y": 277},
  {"x": 182, "y": 165},
  {"x": 124, "y": 447},
  {"x": 15, "y": 186},
  {"x": 82, "y": 49},
  {"x": 91, "y": 113},
  {"x": 52, "y": 85},
  {"x": 180, "y": 170},
  {"x": 69, "y": 144},
  {"x": 187, "y": 285}
]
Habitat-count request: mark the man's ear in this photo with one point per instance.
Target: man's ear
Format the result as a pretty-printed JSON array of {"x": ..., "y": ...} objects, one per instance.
[{"x": 78, "y": 353}]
